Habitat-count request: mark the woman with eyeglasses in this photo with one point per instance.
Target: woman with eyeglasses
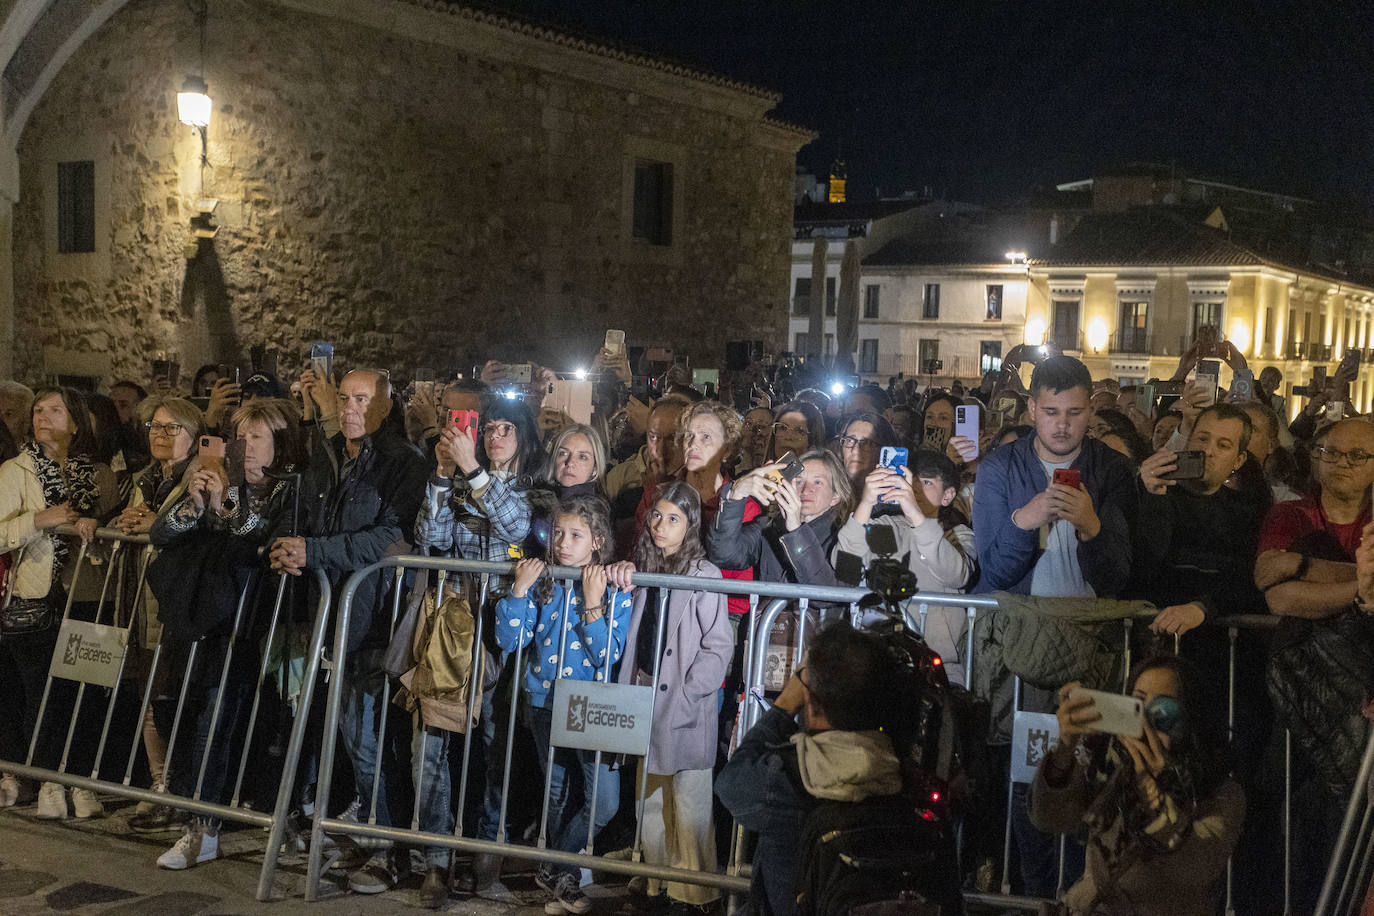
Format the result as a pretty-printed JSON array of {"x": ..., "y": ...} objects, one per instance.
[
  {"x": 798, "y": 426},
  {"x": 51, "y": 482},
  {"x": 753, "y": 440},
  {"x": 862, "y": 437},
  {"x": 477, "y": 507},
  {"x": 174, "y": 427}
]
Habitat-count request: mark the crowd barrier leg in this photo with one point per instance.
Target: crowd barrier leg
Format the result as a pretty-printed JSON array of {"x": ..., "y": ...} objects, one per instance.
[
  {"x": 81, "y": 688},
  {"x": 1287, "y": 822},
  {"x": 474, "y": 698},
  {"x": 47, "y": 685},
  {"x": 386, "y": 699},
  {"x": 257, "y": 690},
  {"x": 564, "y": 620},
  {"x": 114, "y": 692},
  {"x": 606, "y": 679},
  {"x": 281, "y": 813},
  {"x": 1232, "y": 635},
  {"x": 637, "y": 851},
  {"x": 510, "y": 738},
  {"x": 968, "y": 661},
  {"x": 1006, "y": 840},
  {"x": 1331, "y": 903},
  {"x": 219, "y": 696},
  {"x": 181, "y": 708},
  {"x": 742, "y": 719},
  {"x": 1126, "y": 625}
]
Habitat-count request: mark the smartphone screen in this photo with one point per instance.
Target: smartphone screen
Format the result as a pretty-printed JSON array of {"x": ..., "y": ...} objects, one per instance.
[
  {"x": 1208, "y": 375},
  {"x": 322, "y": 360},
  {"x": 894, "y": 458},
  {"x": 966, "y": 423},
  {"x": 615, "y": 342}
]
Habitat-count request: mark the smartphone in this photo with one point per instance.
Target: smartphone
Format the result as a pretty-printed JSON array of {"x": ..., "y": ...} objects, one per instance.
[
  {"x": 1243, "y": 386},
  {"x": 1121, "y": 715},
  {"x": 1069, "y": 477},
  {"x": 894, "y": 458},
  {"x": 168, "y": 369},
  {"x": 322, "y": 360},
  {"x": 791, "y": 468},
  {"x": 572, "y": 397},
  {"x": 465, "y": 421},
  {"x": 424, "y": 374},
  {"x": 212, "y": 453},
  {"x": 1191, "y": 466},
  {"x": 967, "y": 424},
  {"x": 1350, "y": 362},
  {"x": 519, "y": 373},
  {"x": 935, "y": 438},
  {"x": 704, "y": 377},
  {"x": 1145, "y": 399},
  {"x": 1208, "y": 376},
  {"x": 1335, "y": 412},
  {"x": 615, "y": 342},
  {"x": 234, "y": 454}
]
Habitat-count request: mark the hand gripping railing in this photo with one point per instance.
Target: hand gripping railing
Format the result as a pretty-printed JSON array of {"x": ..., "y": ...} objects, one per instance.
[{"x": 130, "y": 605}]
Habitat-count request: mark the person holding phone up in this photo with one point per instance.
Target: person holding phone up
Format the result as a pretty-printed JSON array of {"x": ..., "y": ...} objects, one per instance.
[{"x": 1161, "y": 814}]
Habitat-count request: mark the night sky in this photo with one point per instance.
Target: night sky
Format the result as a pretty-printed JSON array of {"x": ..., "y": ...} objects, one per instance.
[{"x": 980, "y": 101}]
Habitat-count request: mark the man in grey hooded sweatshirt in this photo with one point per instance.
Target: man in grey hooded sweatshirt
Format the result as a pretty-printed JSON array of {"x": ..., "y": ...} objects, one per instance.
[{"x": 781, "y": 768}]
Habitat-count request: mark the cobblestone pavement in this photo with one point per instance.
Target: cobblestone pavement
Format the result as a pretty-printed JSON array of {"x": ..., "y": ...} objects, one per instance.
[{"x": 101, "y": 866}]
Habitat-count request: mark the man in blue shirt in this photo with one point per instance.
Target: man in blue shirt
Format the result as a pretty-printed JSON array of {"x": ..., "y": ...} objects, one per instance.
[{"x": 1038, "y": 537}]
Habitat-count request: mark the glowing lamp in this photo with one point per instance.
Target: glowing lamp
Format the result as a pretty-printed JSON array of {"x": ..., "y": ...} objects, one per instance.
[
  {"x": 1035, "y": 332},
  {"x": 193, "y": 103},
  {"x": 1097, "y": 334},
  {"x": 837, "y": 388},
  {"x": 580, "y": 374}
]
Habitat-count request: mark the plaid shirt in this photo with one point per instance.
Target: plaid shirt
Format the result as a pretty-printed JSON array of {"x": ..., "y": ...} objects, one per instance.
[{"x": 480, "y": 521}]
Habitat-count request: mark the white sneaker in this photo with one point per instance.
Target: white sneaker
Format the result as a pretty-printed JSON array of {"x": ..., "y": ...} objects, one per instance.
[
  {"x": 146, "y": 807},
  {"x": 9, "y": 791},
  {"x": 52, "y": 802},
  {"x": 353, "y": 812},
  {"x": 86, "y": 803},
  {"x": 194, "y": 847}
]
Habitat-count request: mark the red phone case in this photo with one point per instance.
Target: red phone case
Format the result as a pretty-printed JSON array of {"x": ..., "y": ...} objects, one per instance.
[{"x": 1069, "y": 477}]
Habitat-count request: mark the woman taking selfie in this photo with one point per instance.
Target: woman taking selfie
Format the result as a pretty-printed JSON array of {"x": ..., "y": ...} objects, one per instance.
[
  {"x": 52, "y": 482},
  {"x": 688, "y": 663},
  {"x": 1162, "y": 816}
]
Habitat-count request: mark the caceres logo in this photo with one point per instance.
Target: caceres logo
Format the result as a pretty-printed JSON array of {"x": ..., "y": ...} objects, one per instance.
[
  {"x": 577, "y": 713},
  {"x": 77, "y": 650},
  {"x": 582, "y": 712}
]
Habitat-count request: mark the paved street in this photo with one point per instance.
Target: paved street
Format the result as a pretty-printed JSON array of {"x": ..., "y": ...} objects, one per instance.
[{"x": 100, "y": 866}]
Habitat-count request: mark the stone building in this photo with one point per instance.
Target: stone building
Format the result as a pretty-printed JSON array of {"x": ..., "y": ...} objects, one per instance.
[{"x": 419, "y": 182}]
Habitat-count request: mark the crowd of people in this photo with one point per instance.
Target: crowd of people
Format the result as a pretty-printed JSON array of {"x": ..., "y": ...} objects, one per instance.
[{"x": 1202, "y": 502}]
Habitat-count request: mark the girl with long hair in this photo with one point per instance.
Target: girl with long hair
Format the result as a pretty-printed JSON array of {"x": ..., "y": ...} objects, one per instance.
[
  {"x": 574, "y": 632},
  {"x": 681, "y": 641}
]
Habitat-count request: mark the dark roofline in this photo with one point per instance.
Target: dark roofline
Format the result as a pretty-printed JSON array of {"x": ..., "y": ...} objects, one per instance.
[{"x": 597, "y": 46}]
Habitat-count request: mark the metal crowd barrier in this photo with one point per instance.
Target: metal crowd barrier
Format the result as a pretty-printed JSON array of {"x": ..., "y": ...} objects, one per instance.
[
  {"x": 108, "y": 644},
  {"x": 1348, "y": 876}
]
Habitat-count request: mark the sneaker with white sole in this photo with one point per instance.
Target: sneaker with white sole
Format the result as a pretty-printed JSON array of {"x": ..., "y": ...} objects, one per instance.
[
  {"x": 86, "y": 803},
  {"x": 546, "y": 878},
  {"x": 52, "y": 802},
  {"x": 146, "y": 807},
  {"x": 353, "y": 812},
  {"x": 376, "y": 877},
  {"x": 567, "y": 898},
  {"x": 9, "y": 791},
  {"x": 195, "y": 846}
]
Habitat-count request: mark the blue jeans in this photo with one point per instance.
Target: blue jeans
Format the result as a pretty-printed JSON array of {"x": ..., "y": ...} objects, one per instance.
[
  {"x": 359, "y": 720},
  {"x": 233, "y": 712},
  {"x": 429, "y": 762},
  {"x": 572, "y": 770}
]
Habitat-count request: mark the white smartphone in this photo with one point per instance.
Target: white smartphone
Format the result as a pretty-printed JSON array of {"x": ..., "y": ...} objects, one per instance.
[
  {"x": 966, "y": 423},
  {"x": 1121, "y": 715}
]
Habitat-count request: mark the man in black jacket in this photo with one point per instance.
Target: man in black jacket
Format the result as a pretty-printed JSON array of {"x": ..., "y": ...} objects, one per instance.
[{"x": 363, "y": 492}]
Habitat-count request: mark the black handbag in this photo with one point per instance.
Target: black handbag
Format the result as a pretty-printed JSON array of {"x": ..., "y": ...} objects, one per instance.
[{"x": 23, "y": 615}]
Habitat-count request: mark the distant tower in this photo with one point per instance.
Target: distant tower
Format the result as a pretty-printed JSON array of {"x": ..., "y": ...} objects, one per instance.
[{"x": 837, "y": 177}]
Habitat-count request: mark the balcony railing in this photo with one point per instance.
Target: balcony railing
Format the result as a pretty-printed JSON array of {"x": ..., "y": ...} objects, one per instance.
[{"x": 1131, "y": 340}]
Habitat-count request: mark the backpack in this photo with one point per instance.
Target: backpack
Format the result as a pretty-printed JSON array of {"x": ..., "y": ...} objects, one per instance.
[{"x": 877, "y": 857}]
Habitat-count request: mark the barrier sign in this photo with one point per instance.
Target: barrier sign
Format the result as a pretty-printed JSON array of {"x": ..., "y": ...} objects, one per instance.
[
  {"x": 89, "y": 652},
  {"x": 589, "y": 716},
  {"x": 1033, "y": 735}
]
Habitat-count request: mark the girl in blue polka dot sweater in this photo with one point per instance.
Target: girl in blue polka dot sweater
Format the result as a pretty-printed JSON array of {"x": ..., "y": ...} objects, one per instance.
[{"x": 587, "y": 624}]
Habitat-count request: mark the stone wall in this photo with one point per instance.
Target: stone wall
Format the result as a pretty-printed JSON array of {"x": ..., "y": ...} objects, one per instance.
[{"x": 414, "y": 203}]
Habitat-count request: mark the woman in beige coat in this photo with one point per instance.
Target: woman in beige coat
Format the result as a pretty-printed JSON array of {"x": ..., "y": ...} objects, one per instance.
[
  {"x": 51, "y": 482},
  {"x": 695, "y": 651}
]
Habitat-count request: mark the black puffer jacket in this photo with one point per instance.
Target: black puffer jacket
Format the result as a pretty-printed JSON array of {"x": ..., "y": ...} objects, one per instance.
[
  {"x": 358, "y": 512},
  {"x": 763, "y": 544}
]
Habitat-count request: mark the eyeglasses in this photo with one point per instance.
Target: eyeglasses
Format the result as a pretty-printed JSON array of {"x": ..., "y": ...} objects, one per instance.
[
  {"x": 798, "y": 674},
  {"x": 1353, "y": 459},
  {"x": 794, "y": 430},
  {"x": 164, "y": 429},
  {"x": 758, "y": 427},
  {"x": 498, "y": 430},
  {"x": 863, "y": 444}
]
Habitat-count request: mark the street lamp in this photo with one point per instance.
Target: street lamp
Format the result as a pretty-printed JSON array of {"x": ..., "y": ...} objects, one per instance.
[{"x": 193, "y": 103}]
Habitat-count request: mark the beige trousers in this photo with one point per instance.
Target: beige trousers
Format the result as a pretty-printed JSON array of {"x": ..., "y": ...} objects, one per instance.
[{"x": 678, "y": 830}]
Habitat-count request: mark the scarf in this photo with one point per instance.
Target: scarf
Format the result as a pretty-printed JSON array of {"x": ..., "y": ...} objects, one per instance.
[
  {"x": 154, "y": 487},
  {"x": 74, "y": 483}
]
